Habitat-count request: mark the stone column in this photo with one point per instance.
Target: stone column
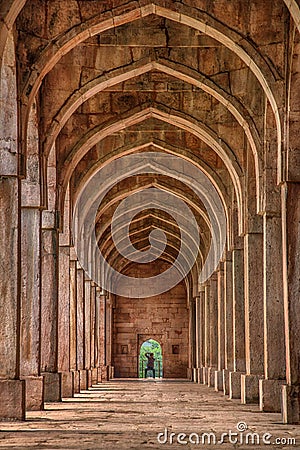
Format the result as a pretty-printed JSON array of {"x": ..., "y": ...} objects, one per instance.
[
  {"x": 274, "y": 339},
  {"x": 49, "y": 307},
  {"x": 201, "y": 326},
  {"x": 291, "y": 285},
  {"x": 254, "y": 326},
  {"x": 221, "y": 329},
  {"x": 197, "y": 339},
  {"x": 12, "y": 390},
  {"x": 64, "y": 321},
  {"x": 87, "y": 333},
  {"x": 206, "y": 332},
  {"x": 238, "y": 324},
  {"x": 73, "y": 312},
  {"x": 191, "y": 338},
  {"x": 274, "y": 335},
  {"x": 102, "y": 337},
  {"x": 30, "y": 306},
  {"x": 109, "y": 329},
  {"x": 80, "y": 325},
  {"x": 97, "y": 376},
  {"x": 213, "y": 329},
  {"x": 31, "y": 269},
  {"x": 92, "y": 327},
  {"x": 228, "y": 322}
]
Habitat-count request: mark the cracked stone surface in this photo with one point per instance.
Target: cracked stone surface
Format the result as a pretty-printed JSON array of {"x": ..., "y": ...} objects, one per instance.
[{"x": 129, "y": 414}]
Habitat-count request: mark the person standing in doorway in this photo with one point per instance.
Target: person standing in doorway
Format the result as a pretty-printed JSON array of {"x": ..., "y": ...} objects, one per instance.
[{"x": 150, "y": 364}]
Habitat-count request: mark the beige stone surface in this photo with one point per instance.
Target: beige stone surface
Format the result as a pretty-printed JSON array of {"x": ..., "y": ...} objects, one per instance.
[{"x": 129, "y": 414}]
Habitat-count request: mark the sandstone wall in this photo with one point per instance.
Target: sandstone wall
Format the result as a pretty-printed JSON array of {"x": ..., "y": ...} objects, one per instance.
[{"x": 163, "y": 318}]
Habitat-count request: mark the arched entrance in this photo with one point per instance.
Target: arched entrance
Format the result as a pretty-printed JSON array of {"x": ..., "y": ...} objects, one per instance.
[{"x": 151, "y": 346}]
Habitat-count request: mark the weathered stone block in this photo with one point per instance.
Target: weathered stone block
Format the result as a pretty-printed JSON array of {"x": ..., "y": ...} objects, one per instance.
[
  {"x": 34, "y": 393},
  {"x": 12, "y": 405},
  {"x": 76, "y": 381},
  {"x": 199, "y": 375},
  {"x": 226, "y": 381},
  {"x": 94, "y": 375},
  {"x": 270, "y": 395},
  {"x": 250, "y": 388},
  {"x": 205, "y": 375},
  {"x": 99, "y": 375},
  {"x": 195, "y": 375},
  {"x": 52, "y": 387},
  {"x": 89, "y": 378},
  {"x": 290, "y": 404},
  {"x": 83, "y": 379},
  {"x": 67, "y": 388},
  {"x": 218, "y": 380},
  {"x": 211, "y": 377},
  {"x": 235, "y": 385},
  {"x": 104, "y": 373}
]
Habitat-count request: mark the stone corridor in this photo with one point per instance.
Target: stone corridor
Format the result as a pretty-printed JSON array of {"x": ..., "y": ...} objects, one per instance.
[
  {"x": 149, "y": 191},
  {"x": 129, "y": 414}
]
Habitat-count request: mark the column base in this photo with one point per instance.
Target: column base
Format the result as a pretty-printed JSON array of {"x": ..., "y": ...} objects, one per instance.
[
  {"x": 89, "y": 378},
  {"x": 195, "y": 375},
  {"x": 205, "y": 375},
  {"x": 67, "y": 388},
  {"x": 200, "y": 375},
  {"x": 250, "y": 388},
  {"x": 52, "y": 386},
  {"x": 94, "y": 375},
  {"x": 189, "y": 373},
  {"x": 34, "y": 393},
  {"x": 226, "y": 381},
  {"x": 105, "y": 373},
  {"x": 290, "y": 404},
  {"x": 270, "y": 395},
  {"x": 99, "y": 375},
  {"x": 12, "y": 405},
  {"x": 218, "y": 380},
  {"x": 76, "y": 381},
  {"x": 111, "y": 372},
  {"x": 211, "y": 377},
  {"x": 83, "y": 382},
  {"x": 235, "y": 385}
]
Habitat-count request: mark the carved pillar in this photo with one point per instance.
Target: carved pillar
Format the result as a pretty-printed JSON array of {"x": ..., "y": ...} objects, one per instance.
[
  {"x": 221, "y": 329},
  {"x": 291, "y": 285},
  {"x": 206, "y": 332},
  {"x": 228, "y": 322},
  {"x": 30, "y": 307},
  {"x": 201, "y": 326},
  {"x": 12, "y": 390},
  {"x": 64, "y": 321},
  {"x": 80, "y": 325},
  {"x": 254, "y": 326},
  {"x": 49, "y": 307},
  {"x": 213, "y": 329},
  {"x": 102, "y": 337},
  {"x": 238, "y": 324},
  {"x": 197, "y": 338},
  {"x": 73, "y": 314}
]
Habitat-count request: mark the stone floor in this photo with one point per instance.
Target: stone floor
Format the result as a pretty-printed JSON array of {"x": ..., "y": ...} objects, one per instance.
[{"x": 129, "y": 414}]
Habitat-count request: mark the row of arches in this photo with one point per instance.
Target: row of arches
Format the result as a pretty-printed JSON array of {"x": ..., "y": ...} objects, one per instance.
[{"x": 65, "y": 120}]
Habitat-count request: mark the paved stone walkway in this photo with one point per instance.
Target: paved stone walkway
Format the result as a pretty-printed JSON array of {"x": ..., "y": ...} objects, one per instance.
[{"x": 125, "y": 415}]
